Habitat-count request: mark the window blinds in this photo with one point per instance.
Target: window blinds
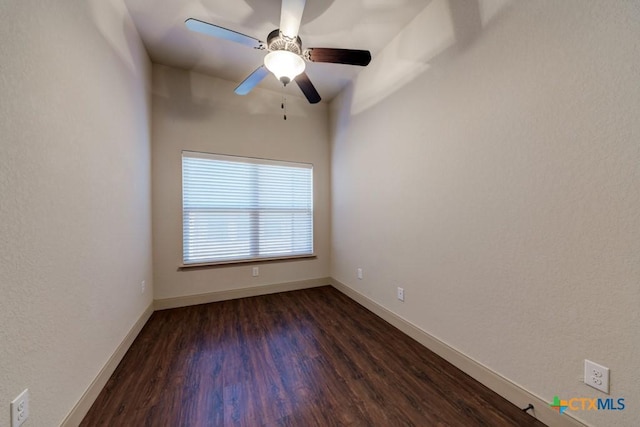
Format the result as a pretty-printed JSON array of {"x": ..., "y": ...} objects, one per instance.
[{"x": 237, "y": 208}]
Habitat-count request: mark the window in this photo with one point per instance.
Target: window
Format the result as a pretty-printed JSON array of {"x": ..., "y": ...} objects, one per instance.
[{"x": 237, "y": 209}]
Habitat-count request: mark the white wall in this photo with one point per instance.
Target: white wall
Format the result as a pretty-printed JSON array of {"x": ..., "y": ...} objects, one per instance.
[
  {"x": 195, "y": 112},
  {"x": 75, "y": 220},
  {"x": 497, "y": 179}
]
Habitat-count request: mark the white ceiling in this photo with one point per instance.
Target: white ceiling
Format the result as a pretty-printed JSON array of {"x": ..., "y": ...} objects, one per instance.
[{"x": 355, "y": 24}]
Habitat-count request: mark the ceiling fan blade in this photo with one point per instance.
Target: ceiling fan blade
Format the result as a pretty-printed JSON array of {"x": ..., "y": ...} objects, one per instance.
[
  {"x": 338, "y": 56},
  {"x": 291, "y": 17},
  {"x": 308, "y": 88},
  {"x": 252, "y": 81},
  {"x": 223, "y": 33}
]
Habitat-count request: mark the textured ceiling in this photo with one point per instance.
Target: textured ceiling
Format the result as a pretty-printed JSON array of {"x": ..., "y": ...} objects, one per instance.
[{"x": 355, "y": 24}]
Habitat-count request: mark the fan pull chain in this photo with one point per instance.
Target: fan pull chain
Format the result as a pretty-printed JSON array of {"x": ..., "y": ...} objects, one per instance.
[{"x": 284, "y": 106}]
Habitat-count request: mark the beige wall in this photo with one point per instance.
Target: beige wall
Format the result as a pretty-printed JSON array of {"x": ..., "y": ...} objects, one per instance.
[
  {"x": 75, "y": 203},
  {"x": 195, "y": 112},
  {"x": 497, "y": 179}
]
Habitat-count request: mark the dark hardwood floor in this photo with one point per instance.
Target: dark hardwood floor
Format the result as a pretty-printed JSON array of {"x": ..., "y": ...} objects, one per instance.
[{"x": 304, "y": 358}]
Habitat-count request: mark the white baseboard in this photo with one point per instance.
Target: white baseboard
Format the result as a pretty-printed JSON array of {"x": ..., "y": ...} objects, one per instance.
[
  {"x": 165, "y": 303},
  {"x": 505, "y": 388},
  {"x": 91, "y": 394}
]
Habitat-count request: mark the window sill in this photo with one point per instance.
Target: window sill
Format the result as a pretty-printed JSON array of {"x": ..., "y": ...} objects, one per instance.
[{"x": 245, "y": 261}]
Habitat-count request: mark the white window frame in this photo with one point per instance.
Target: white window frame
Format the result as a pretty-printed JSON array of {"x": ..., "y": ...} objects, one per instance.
[{"x": 227, "y": 207}]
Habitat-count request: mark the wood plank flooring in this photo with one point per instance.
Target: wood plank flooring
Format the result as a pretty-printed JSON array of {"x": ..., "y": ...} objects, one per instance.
[{"x": 304, "y": 358}]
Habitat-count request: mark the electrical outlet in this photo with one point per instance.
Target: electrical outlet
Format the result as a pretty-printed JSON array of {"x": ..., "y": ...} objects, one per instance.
[
  {"x": 401, "y": 294},
  {"x": 255, "y": 272},
  {"x": 20, "y": 409},
  {"x": 596, "y": 376},
  {"x": 143, "y": 286},
  {"x": 359, "y": 273}
]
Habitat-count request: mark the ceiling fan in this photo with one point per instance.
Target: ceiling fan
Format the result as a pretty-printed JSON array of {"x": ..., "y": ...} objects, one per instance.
[{"x": 286, "y": 58}]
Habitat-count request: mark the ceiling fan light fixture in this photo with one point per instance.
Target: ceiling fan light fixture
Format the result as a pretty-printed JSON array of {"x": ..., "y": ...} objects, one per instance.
[{"x": 285, "y": 65}]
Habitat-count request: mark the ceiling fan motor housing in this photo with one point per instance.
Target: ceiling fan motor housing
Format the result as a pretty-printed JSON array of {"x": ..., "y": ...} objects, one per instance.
[{"x": 278, "y": 41}]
